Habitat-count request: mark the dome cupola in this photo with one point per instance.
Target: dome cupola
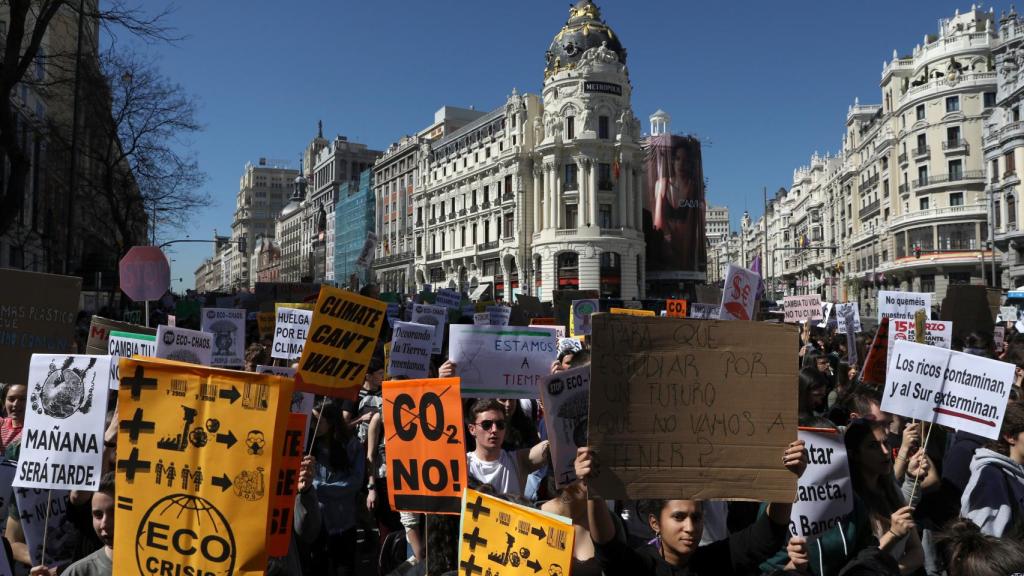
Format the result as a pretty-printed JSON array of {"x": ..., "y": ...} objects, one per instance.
[{"x": 582, "y": 31}]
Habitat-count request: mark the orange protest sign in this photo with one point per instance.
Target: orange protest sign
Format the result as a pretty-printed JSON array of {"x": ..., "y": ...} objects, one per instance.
[
  {"x": 196, "y": 465},
  {"x": 632, "y": 312},
  {"x": 874, "y": 365},
  {"x": 426, "y": 450},
  {"x": 675, "y": 308},
  {"x": 341, "y": 341},
  {"x": 282, "y": 503}
]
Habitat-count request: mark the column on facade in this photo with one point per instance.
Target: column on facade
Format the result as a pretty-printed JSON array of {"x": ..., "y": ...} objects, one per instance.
[
  {"x": 637, "y": 191},
  {"x": 549, "y": 196},
  {"x": 559, "y": 214},
  {"x": 581, "y": 191},
  {"x": 537, "y": 191},
  {"x": 592, "y": 201},
  {"x": 623, "y": 202}
]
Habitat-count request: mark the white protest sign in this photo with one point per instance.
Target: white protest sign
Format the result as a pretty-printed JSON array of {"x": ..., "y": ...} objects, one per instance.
[
  {"x": 740, "y": 294},
  {"x": 937, "y": 333},
  {"x": 126, "y": 345},
  {"x": 436, "y": 316},
  {"x": 1009, "y": 313},
  {"x": 184, "y": 345},
  {"x": 291, "y": 329},
  {"x": 841, "y": 316},
  {"x": 798, "y": 309},
  {"x": 824, "y": 493},
  {"x": 704, "y": 311},
  {"x": 953, "y": 389},
  {"x": 499, "y": 314},
  {"x": 903, "y": 305},
  {"x": 481, "y": 319},
  {"x": 62, "y": 443},
  {"x": 62, "y": 537},
  {"x": 502, "y": 362},
  {"x": 851, "y": 337},
  {"x": 826, "y": 311},
  {"x": 581, "y": 311},
  {"x": 566, "y": 397},
  {"x": 999, "y": 335},
  {"x": 449, "y": 298},
  {"x": 411, "y": 346},
  {"x": 228, "y": 328},
  {"x": 302, "y": 402}
]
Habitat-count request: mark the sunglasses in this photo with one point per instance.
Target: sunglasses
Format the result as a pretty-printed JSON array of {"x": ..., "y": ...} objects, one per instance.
[{"x": 487, "y": 424}]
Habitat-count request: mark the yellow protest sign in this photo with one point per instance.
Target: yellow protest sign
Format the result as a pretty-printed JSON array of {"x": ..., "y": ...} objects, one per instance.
[
  {"x": 632, "y": 312},
  {"x": 195, "y": 468},
  {"x": 295, "y": 305},
  {"x": 341, "y": 341},
  {"x": 499, "y": 537}
]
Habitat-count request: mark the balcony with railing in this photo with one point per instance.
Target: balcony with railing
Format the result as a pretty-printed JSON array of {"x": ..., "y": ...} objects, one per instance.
[
  {"x": 904, "y": 188},
  {"x": 871, "y": 181},
  {"x": 492, "y": 245},
  {"x": 954, "y": 146},
  {"x": 870, "y": 210},
  {"x": 508, "y": 196},
  {"x": 922, "y": 151},
  {"x": 938, "y": 180},
  {"x": 473, "y": 208},
  {"x": 441, "y": 217},
  {"x": 432, "y": 221},
  {"x": 486, "y": 204},
  {"x": 462, "y": 212},
  {"x": 605, "y": 185},
  {"x": 433, "y": 256},
  {"x": 931, "y": 214},
  {"x": 903, "y": 158},
  {"x": 565, "y": 232}
]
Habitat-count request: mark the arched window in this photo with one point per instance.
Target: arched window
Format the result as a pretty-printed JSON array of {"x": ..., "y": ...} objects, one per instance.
[
  {"x": 568, "y": 271},
  {"x": 1011, "y": 212}
]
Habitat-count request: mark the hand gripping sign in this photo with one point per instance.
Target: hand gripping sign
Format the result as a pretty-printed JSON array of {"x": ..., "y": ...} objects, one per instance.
[{"x": 426, "y": 450}]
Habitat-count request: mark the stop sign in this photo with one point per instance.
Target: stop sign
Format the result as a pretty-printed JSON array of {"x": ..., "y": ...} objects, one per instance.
[{"x": 145, "y": 273}]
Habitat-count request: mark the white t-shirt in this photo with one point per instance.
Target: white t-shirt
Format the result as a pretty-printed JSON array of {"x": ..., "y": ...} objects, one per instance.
[{"x": 502, "y": 474}]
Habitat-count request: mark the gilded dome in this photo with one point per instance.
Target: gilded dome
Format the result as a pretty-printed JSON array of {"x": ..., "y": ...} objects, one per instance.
[{"x": 582, "y": 31}]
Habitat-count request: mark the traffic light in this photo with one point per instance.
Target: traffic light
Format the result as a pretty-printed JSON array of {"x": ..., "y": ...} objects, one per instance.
[{"x": 917, "y": 251}]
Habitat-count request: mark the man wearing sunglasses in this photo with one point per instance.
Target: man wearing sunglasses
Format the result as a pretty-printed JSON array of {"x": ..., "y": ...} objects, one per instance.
[{"x": 506, "y": 471}]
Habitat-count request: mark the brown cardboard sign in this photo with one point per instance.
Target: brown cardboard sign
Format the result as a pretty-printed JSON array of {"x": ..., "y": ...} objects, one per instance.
[
  {"x": 692, "y": 409},
  {"x": 967, "y": 307},
  {"x": 100, "y": 329},
  {"x": 37, "y": 316}
]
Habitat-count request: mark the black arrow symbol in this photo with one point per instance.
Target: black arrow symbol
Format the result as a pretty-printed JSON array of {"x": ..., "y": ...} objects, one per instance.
[
  {"x": 533, "y": 564},
  {"x": 538, "y": 532},
  {"x": 227, "y": 439},
  {"x": 231, "y": 395},
  {"x": 223, "y": 481}
]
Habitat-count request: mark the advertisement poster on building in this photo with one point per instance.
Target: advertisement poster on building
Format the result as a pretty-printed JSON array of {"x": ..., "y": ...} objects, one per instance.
[{"x": 673, "y": 210}]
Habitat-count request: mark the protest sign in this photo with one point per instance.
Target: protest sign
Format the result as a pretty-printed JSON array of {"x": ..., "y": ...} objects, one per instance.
[
  {"x": 826, "y": 311},
  {"x": 740, "y": 294},
  {"x": 282, "y": 501},
  {"x": 579, "y": 315},
  {"x": 499, "y": 537},
  {"x": 435, "y": 316},
  {"x": 967, "y": 306},
  {"x": 632, "y": 312},
  {"x": 184, "y": 345},
  {"x": 903, "y": 305},
  {"x": 37, "y": 316},
  {"x": 873, "y": 372},
  {"x": 999, "y": 335},
  {"x": 265, "y": 324},
  {"x": 851, "y": 339},
  {"x": 502, "y": 362},
  {"x": 126, "y": 345},
  {"x": 342, "y": 338},
  {"x": 704, "y": 311},
  {"x": 499, "y": 314},
  {"x": 62, "y": 443},
  {"x": 426, "y": 455},
  {"x": 228, "y": 328},
  {"x": 197, "y": 462},
  {"x": 410, "y": 350},
  {"x": 100, "y": 329},
  {"x": 1008, "y": 313},
  {"x": 302, "y": 402},
  {"x": 449, "y": 298},
  {"x": 675, "y": 308},
  {"x": 291, "y": 328},
  {"x": 481, "y": 319},
  {"x": 681, "y": 408},
  {"x": 937, "y": 333},
  {"x": 566, "y": 397},
  {"x": 62, "y": 536},
  {"x": 841, "y": 315},
  {"x": 954, "y": 389},
  {"x": 561, "y": 302},
  {"x": 799, "y": 309},
  {"x": 824, "y": 493}
]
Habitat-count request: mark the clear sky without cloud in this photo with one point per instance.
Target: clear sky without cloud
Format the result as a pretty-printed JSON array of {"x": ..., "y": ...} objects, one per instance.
[{"x": 765, "y": 84}]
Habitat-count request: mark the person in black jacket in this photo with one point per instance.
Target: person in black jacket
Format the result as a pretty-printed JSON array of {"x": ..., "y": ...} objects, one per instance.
[{"x": 678, "y": 525}]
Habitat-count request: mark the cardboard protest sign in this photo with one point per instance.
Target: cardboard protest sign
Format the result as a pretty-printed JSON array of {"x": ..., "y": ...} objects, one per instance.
[
  {"x": 502, "y": 362},
  {"x": 499, "y": 315},
  {"x": 675, "y": 308},
  {"x": 799, "y": 309},
  {"x": 100, "y": 329},
  {"x": 184, "y": 345},
  {"x": 341, "y": 342},
  {"x": 873, "y": 372},
  {"x": 37, "y": 316},
  {"x": 954, "y": 389},
  {"x": 62, "y": 537},
  {"x": 449, "y": 298},
  {"x": 579, "y": 315},
  {"x": 824, "y": 493},
  {"x": 126, "y": 345},
  {"x": 426, "y": 449},
  {"x": 632, "y": 312},
  {"x": 62, "y": 443},
  {"x": 740, "y": 294},
  {"x": 436, "y": 316},
  {"x": 681, "y": 408},
  {"x": 197, "y": 463},
  {"x": 228, "y": 328},
  {"x": 291, "y": 328},
  {"x": 499, "y": 537},
  {"x": 967, "y": 307},
  {"x": 903, "y": 305},
  {"x": 826, "y": 311},
  {"x": 566, "y": 397},
  {"x": 704, "y": 311},
  {"x": 282, "y": 501},
  {"x": 937, "y": 333},
  {"x": 410, "y": 350},
  {"x": 481, "y": 319},
  {"x": 841, "y": 315}
]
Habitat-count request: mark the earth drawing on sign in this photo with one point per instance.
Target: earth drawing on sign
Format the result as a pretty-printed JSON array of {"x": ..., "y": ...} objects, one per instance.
[{"x": 63, "y": 391}]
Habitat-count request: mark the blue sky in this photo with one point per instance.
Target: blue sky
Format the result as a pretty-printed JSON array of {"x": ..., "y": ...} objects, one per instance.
[{"x": 765, "y": 84}]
